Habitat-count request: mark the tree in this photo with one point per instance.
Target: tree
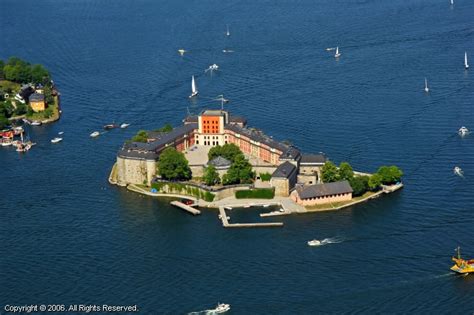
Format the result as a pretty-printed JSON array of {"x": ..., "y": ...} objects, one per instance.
[
  {"x": 172, "y": 165},
  {"x": 374, "y": 182},
  {"x": 141, "y": 136},
  {"x": 48, "y": 112},
  {"x": 48, "y": 95},
  {"x": 39, "y": 74},
  {"x": 359, "y": 185},
  {"x": 345, "y": 171},
  {"x": 211, "y": 177},
  {"x": 389, "y": 174},
  {"x": 239, "y": 172},
  {"x": 228, "y": 151},
  {"x": 165, "y": 128},
  {"x": 329, "y": 172},
  {"x": 3, "y": 121},
  {"x": 20, "y": 109}
]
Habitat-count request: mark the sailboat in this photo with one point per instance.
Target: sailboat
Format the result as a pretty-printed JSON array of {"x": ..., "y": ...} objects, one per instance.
[
  {"x": 452, "y": 2},
  {"x": 337, "y": 54},
  {"x": 227, "y": 33},
  {"x": 466, "y": 65},
  {"x": 193, "y": 88},
  {"x": 427, "y": 89}
]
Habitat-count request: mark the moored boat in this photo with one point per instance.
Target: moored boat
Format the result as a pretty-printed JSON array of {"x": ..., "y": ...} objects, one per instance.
[
  {"x": 462, "y": 266},
  {"x": 36, "y": 123},
  {"x": 110, "y": 126},
  {"x": 95, "y": 134},
  {"x": 56, "y": 140},
  {"x": 463, "y": 131}
]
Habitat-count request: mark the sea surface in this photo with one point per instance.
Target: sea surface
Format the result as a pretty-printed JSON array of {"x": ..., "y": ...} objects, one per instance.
[{"x": 68, "y": 237}]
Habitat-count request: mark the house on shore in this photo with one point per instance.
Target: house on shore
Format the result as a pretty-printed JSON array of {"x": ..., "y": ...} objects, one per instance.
[
  {"x": 312, "y": 195},
  {"x": 37, "y": 102}
]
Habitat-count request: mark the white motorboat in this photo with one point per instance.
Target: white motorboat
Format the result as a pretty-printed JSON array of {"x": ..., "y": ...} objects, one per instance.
[
  {"x": 337, "y": 54},
  {"x": 60, "y": 133},
  {"x": 266, "y": 206},
  {"x": 427, "y": 89},
  {"x": 36, "y": 123},
  {"x": 124, "y": 125},
  {"x": 227, "y": 51},
  {"x": 314, "y": 243},
  {"x": 95, "y": 134},
  {"x": 212, "y": 68},
  {"x": 330, "y": 49},
  {"x": 221, "y": 308},
  {"x": 466, "y": 65},
  {"x": 194, "y": 90},
  {"x": 281, "y": 210},
  {"x": 228, "y": 208},
  {"x": 463, "y": 131},
  {"x": 5, "y": 142},
  {"x": 458, "y": 171},
  {"x": 56, "y": 140}
]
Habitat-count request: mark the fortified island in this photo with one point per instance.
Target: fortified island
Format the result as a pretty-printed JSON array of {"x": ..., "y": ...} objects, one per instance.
[{"x": 278, "y": 173}]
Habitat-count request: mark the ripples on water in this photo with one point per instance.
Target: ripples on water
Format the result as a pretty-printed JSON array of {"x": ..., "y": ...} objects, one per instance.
[{"x": 69, "y": 237}]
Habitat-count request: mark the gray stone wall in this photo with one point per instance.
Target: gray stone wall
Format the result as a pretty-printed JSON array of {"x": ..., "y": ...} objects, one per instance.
[{"x": 134, "y": 171}]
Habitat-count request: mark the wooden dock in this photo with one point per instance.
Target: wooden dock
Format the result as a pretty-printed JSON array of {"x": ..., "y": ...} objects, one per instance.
[
  {"x": 225, "y": 222},
  {"x": 185, "y": 207}
]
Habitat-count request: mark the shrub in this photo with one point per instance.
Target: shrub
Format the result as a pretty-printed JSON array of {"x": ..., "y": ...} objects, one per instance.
[
  {"x": 329, "y": 172},
  {"x": 265, "y": 177}
]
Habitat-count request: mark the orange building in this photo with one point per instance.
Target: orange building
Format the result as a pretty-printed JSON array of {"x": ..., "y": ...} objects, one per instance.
[{"x": 37, "y": 102}]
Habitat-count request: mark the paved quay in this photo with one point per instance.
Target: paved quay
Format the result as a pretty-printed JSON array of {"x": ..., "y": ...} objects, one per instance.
[{"x": 225, "y": 222}]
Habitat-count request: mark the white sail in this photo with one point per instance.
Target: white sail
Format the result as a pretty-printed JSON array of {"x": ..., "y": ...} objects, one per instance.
[
  {"x": 228, "y": 33},
  {"x": 466, "y": 65},
  {"x": 193, "y": 86},
  {"x": 337, "y": 54},
  {"x": 426, "y": 86},
  {"x": 452, "y": 2}
]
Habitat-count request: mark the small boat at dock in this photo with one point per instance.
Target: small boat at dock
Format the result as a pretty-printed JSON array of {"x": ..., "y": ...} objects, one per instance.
[
  {"x": 36, "y": 123},
  {"x": 462, "y": 266},
  {"x": 56, "y": 140},
  {"x": 228, "y": 208},
  {"x": 95, "y": 134}
]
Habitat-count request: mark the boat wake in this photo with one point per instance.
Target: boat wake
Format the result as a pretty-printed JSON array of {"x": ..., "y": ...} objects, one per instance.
[{"x": 206, "y": 312}]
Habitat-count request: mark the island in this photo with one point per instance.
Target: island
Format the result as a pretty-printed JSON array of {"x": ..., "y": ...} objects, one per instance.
[
  {"x": 27, "y": 92},
  {"x": 215, "y": 160}
]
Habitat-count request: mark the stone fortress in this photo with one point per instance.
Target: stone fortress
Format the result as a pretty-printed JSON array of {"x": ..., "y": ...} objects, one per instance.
[{"x": 136, "y": 162}]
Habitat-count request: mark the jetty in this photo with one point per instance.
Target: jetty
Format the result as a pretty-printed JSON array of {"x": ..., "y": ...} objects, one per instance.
[
  {"x": 185, "y": 207},
  {"x": 225, "y": 222}
]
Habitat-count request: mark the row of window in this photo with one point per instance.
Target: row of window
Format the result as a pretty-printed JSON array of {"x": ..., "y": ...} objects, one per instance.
[{"x": 326, "y": 197}]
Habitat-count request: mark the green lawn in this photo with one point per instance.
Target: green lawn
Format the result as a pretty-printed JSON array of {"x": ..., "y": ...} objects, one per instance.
[{"x": 262, "y": 193}]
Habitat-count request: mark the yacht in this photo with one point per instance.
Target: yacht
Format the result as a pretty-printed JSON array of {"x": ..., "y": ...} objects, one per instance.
[
  {"x": 110, "y": 126},
  {"x": 124, "y": 125},
  {"x": 458, "y": 171},
  {"x": 194, "y": 91},
  {"x": 337, "y": 54},
  {"x": 56, "y": 140},
  {"x": 221, "y": 308},
  {"x": 314, "y": 243},
  {"x": 466, "y": 65},
  {"x": 95, "y": 134},
  {"x": 463, "y": 131},
  {"x": 462, "y": 266},
  {"x": 427, "y": 89}
]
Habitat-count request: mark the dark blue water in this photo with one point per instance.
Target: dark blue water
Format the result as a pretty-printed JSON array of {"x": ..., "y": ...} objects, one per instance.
[{"x": 68, "y": 237}]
